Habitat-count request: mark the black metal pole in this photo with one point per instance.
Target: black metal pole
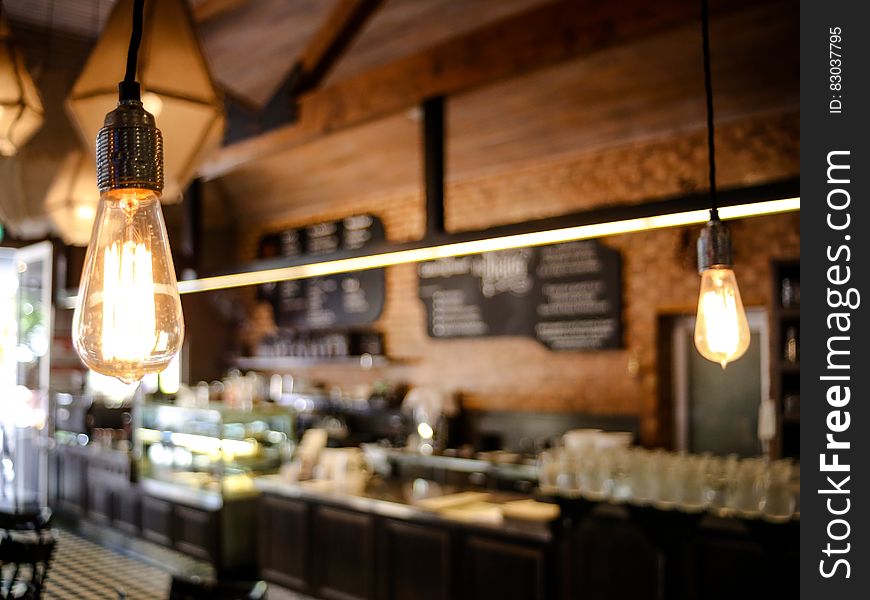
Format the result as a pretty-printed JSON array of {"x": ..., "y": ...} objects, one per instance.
[
  {"x": 193, "y": 226},
  {"x": 433, "y": 165}
]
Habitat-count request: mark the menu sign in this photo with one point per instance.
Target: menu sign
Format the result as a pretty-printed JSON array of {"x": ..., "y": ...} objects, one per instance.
[
  {"x": 567, "y": 296},
  {"x": 344, "y": 300}
]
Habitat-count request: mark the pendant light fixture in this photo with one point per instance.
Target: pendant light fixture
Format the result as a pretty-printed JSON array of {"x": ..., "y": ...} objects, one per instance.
[
  {"x": 176, "y": 83},
  {"x": 128, "y": 320},
  {"x": 721, "y": 329},
  {"x": 20, "y": 105},
  {"x": 72, "y": 199}
]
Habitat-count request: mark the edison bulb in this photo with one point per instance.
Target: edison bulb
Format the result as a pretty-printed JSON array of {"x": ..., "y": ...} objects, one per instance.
[
  {"x": 721, "y": 329},
  {"x": 128, "y": 320}
]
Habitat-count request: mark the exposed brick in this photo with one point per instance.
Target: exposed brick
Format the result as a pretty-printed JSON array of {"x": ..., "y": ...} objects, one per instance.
[{"x": 659, "y": 272}]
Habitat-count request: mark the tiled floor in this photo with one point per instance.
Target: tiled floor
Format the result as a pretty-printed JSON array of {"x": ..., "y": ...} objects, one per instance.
[{"x": 84, "y": 570}]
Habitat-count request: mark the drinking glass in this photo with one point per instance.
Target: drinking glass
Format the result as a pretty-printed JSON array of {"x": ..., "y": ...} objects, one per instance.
[
  {"x": 693, "y": 478},
  {"x": 594, "y": 474},
  {"x": 566, "y": 479},
  {"x": 744, "y": 490},
  {"x": 778, "y": 501},
  {"x": 621, "y": 480},
  {"x": 641, "y": 477},
  {"x": 548, "y": 471},
  {"x": 666, "y": 469}
]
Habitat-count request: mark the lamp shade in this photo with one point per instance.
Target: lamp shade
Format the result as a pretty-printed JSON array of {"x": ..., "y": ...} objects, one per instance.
[
  {"x": 176, "y": 87},
  {"x": 20, "y": 105},
  {"x": 72, "y": 199}
]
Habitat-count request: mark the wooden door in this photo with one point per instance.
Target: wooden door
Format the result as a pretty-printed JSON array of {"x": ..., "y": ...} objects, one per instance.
[
  {"x": 414, "y": 562},
  {"x": 283, "y": 542},
  {"x": 196, "y": 532},
  {"x": 157, "y": 520},
  {"x": 344, "y": 563},
  {"x": 496, "y": 569},
  {"x": 612, "y": 559}
]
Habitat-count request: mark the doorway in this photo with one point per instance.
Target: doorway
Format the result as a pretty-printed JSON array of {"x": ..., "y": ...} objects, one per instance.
[{"x": 716, "y": 409}]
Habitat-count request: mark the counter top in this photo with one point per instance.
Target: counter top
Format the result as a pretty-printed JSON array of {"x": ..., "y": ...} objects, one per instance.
[
  {"x": 406, "y": 500},
  {"x": 193, "y": 496}
]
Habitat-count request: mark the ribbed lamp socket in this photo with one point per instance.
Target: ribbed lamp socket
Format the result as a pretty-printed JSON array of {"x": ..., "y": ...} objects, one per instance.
[
  {"x": 129, "y": 150},
  {"x": 714, "y": 246}
]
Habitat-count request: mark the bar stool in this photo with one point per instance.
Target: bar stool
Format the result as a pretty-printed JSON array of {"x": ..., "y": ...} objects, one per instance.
[{"x": 187, "y": 588}]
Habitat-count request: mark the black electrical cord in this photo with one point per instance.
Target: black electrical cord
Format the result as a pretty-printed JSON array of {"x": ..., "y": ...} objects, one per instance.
[
  {"x": 129, "y": 88},
  {"x": 708, "y": 89}
]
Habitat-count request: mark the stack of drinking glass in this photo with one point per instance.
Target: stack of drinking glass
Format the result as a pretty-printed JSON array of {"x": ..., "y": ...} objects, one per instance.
[{"x": 728, "y": 486}]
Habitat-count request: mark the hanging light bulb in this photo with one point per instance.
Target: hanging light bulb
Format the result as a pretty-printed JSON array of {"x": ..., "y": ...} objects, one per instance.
[
  {"x": 128, "y": 320},
  {"x": 721, "y": 329}
]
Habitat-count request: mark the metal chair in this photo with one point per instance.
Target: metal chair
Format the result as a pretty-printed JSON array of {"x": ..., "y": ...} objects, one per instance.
[{"x": 24, "y": 564}]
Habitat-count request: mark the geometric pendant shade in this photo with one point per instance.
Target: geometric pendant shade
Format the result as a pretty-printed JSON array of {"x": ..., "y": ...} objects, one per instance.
[
  {"x": 176, "y": 87},
  {"x": 20, "y": 105},
  {"x": 71, "y": 202}
]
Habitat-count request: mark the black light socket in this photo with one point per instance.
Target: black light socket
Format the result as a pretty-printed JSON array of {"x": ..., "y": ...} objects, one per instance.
[{"x": 714, "y": 246}]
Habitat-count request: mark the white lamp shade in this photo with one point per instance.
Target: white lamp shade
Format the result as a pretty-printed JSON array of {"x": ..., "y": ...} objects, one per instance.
[
  {"x": 20, "y": 105},
  {"x": 72, "y": 200},
  {"x": 176, "y": 87}
]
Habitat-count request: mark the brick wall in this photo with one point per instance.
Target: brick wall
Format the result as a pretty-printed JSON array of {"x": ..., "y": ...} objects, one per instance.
[{"x": 659, "y": 272}]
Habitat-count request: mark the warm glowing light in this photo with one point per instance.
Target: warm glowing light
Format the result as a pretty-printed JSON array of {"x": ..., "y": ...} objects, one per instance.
[
  {"x": 128, "y": 319},
  {"x": 524, "y": 240},
  {"x": 216, "y": 448},
  {"x": 425, "y": 430},
  {"x": 85, "y": 213},
  {"x": 152, "y": 103},
  {"x": 129, "y": 279},
  {"x": 169, "y": 380},
  {"x": 721, "y": 329}
]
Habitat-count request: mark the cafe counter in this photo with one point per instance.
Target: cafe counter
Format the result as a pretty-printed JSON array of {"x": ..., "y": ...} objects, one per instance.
[
  {"x": 382, "y": 543},
  {"x": 412, "y": 539}
]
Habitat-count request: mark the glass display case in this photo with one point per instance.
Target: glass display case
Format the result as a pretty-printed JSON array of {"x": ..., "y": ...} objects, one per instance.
[
  {"x": 25, "y": 340},
  {"x": 212, "y": 452}
]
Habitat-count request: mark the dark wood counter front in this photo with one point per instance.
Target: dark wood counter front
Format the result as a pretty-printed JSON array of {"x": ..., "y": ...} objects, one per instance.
[{"x": 378, "y": 545}]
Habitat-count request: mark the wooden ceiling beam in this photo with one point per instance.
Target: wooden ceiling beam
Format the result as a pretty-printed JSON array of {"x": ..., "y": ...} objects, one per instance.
[
  {"x": 208, "y": 10},
  {"x": 543, "y": 36},
  {"x": 331, "y": 40}
]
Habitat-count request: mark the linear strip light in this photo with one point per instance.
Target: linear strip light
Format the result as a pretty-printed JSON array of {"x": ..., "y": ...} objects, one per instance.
[{"x": 508, "y": 242}]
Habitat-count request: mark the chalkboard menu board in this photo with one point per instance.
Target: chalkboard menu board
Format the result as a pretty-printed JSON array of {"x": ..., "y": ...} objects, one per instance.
[
  {"x": 344, "y": 300},
  {"x": 567, "y": 296}
]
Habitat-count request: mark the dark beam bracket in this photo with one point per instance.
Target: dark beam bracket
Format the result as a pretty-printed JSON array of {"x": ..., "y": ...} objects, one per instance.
[
  {"x": 191, "y": 241},
  {"x": 309, "y": 71},
  {"x": 433, "y": 166}
]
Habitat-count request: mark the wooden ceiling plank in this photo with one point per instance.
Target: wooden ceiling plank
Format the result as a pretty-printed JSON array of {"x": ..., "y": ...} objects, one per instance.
[{"x": 546, "y": 35}]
